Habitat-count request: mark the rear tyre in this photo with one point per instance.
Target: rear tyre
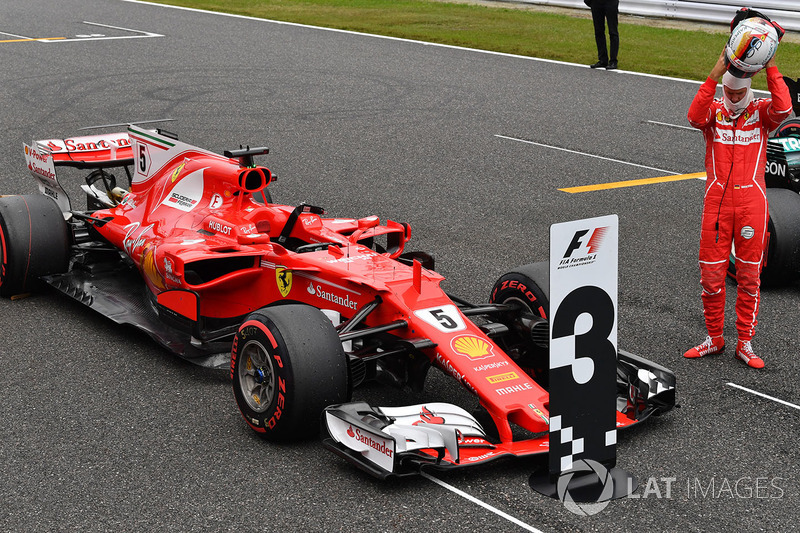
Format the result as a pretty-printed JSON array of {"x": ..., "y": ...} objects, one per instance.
[
  {"x": 783, "y": 253},
  {"x": 527, "y": 286},
  {"x": 34, "y": 242},
  {"x": 782, "y": 257},
  {"x": 287, "y": 365},
  {"x": 788, "y": 128}
]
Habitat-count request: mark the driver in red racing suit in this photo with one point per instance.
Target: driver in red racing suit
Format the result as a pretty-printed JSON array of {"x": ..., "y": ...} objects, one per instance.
[{"x": 735, "y": 129}]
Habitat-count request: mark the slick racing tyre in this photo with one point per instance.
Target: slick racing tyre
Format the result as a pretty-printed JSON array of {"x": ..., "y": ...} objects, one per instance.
[
  {"x": 782, "y": 257},
  {"x": 527, "y": 343},
  {"x": 34, "y": 242},
  {"x": 783, "y": 254},
  {"x": 287, "y": 365}
]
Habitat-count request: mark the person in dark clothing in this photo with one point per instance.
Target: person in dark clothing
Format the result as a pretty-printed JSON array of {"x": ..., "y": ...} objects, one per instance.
[{"x": 606, "y": 11}]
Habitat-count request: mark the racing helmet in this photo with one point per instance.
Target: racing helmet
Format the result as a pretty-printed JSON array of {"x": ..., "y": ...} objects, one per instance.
[{"x": 752, "y": 43}]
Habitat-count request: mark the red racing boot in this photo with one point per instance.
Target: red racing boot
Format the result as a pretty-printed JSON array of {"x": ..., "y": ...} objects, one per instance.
[
  {"x": 744, "y": 352},
  {"x": 710, "y": 346}
]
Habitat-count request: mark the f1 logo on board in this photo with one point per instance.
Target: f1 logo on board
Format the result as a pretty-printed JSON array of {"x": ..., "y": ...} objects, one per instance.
[{"x": 584, "y": 247}]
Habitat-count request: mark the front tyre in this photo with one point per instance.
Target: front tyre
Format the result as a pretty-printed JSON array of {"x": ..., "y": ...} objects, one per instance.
[
  {"x": 528, "y": 288},
  {"x": 287, "y": 365}
]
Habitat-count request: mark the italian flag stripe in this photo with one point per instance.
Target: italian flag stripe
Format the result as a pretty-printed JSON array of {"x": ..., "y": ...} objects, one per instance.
[{"x": 157, "y": 140}]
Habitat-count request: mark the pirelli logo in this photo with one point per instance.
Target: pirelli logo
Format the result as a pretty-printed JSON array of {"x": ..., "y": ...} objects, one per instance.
[{"x": 499, "y": 378}]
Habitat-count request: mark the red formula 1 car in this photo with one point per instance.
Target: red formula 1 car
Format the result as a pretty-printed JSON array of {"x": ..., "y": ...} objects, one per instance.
[{"x": 300, "y": 307}]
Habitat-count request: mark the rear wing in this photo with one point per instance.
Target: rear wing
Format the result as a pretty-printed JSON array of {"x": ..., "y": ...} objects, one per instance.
[
  {"x": 95, "y": 152},
  {"x": 92, "y": 151}
]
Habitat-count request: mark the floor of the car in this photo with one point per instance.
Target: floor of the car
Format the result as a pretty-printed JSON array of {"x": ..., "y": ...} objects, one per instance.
[{"x": 121, "y": 296}]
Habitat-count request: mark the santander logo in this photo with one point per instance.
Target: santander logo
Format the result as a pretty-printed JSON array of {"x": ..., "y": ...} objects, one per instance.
[
  {"x": 377, "y": 445},
  {"x": 331, "y": 297}
]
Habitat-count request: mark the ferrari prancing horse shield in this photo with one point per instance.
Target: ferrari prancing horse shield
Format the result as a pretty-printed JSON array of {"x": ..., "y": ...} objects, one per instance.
[{"x": 284, "y": 279}]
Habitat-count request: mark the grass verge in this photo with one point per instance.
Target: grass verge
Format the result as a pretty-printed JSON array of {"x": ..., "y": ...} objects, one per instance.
[{"x": 654, "y": 50}]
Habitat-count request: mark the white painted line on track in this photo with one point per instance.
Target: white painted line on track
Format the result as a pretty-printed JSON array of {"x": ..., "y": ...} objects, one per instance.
[
  {"x": 15, "y": 35},
  {"x": 150, "y": 34},
  {"x": 586, "y": 154},
  {"x": 141, "y": 34},
  {"x": 672, "y": 125},
  {"x": 751, "y": 391},
  {"x": 483, "y": 504}
]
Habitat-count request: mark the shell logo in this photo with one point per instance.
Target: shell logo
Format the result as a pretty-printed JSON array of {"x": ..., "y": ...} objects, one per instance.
[{"x": 472, "y": 347}]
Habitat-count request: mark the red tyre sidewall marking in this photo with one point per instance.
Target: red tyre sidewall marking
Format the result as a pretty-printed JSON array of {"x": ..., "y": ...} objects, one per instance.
[
  {"x": 521, "y": 289},
  {"x": 4, "y": 261},
  {"x": 262, "y": 327},
  {"x": 258, "y": 324}
]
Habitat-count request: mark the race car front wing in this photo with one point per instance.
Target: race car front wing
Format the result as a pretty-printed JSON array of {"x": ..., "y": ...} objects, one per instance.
[{"x": 400, "y": 441}]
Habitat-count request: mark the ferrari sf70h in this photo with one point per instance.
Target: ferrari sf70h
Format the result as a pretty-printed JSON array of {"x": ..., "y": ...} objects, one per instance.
[{"x": 188, "y": 246}]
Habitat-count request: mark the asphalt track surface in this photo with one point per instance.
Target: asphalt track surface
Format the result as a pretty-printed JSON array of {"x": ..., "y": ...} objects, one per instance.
[{"x": 103, "y": 430}]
